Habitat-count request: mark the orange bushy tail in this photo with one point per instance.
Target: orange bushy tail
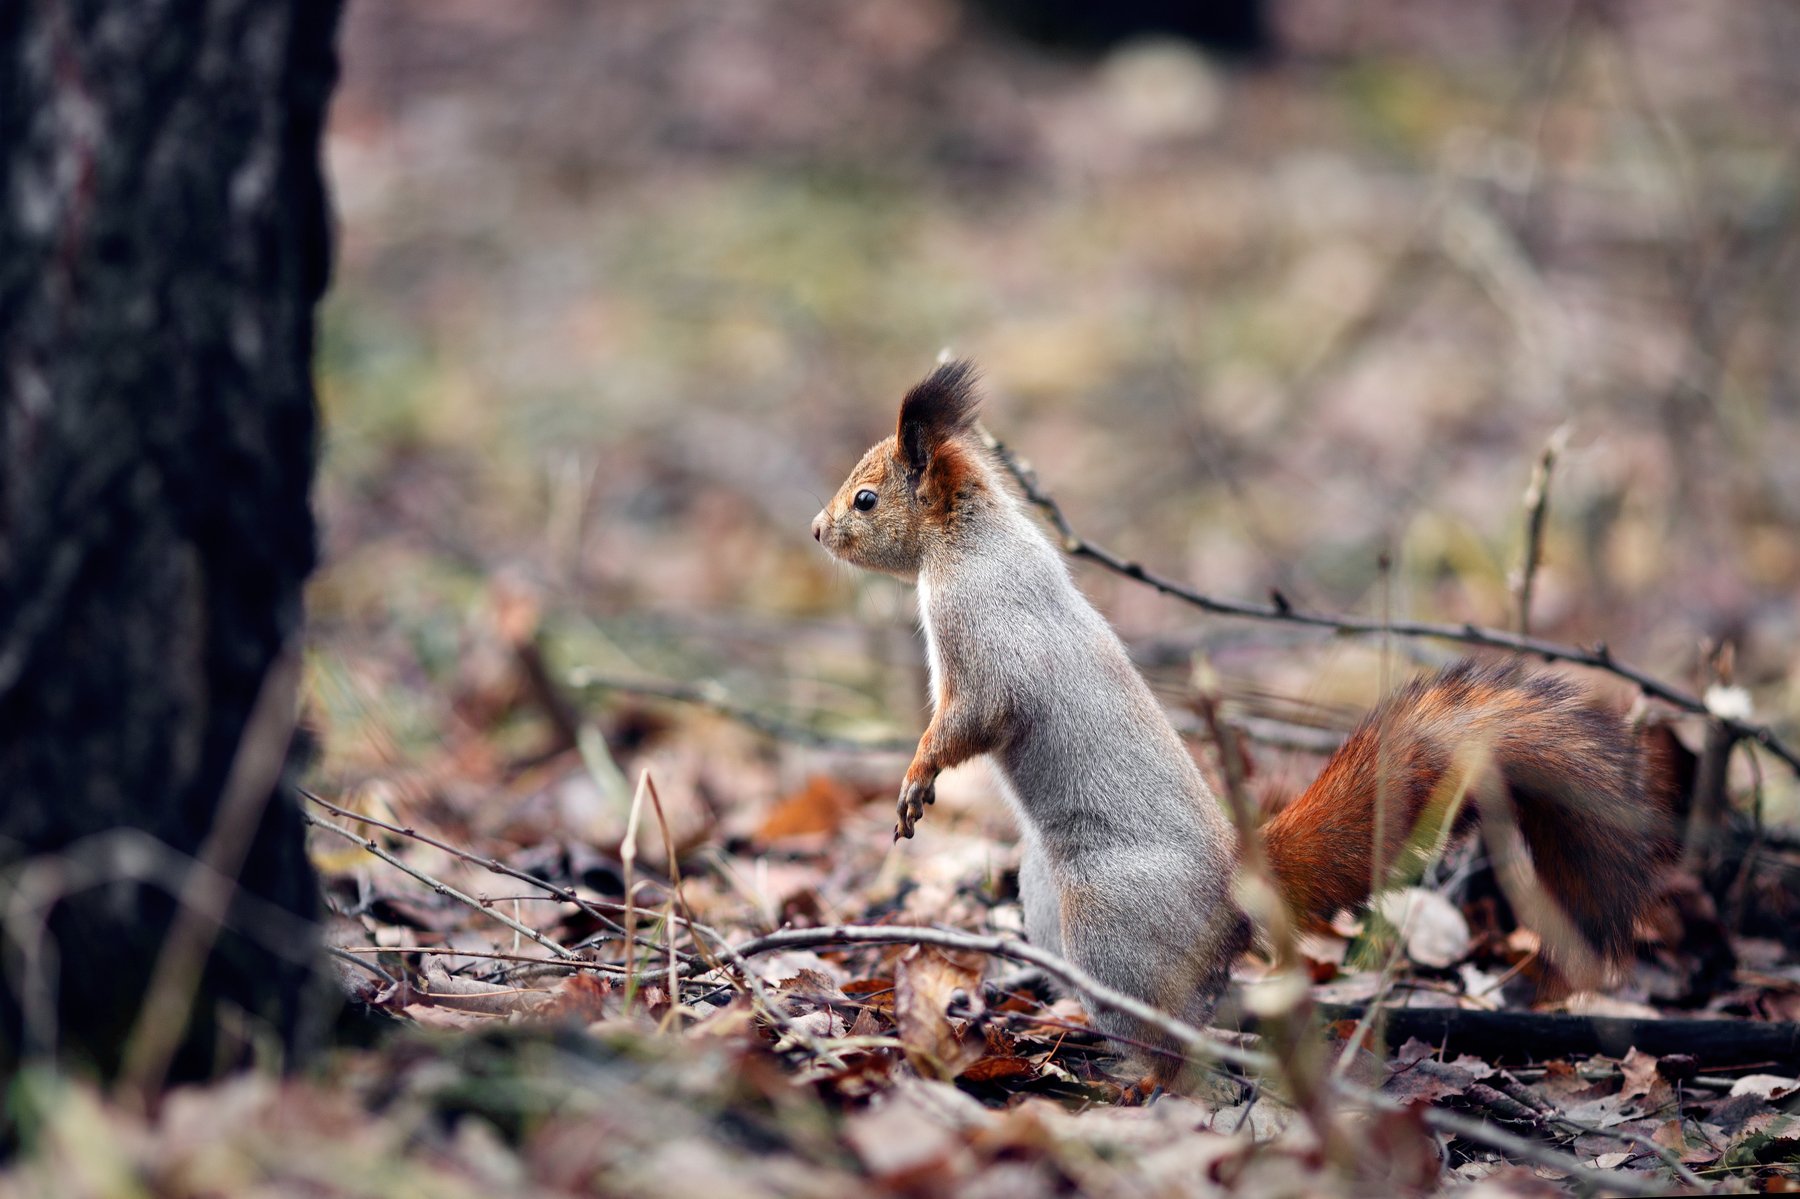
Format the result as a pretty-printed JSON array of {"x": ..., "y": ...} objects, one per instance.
[{"x": 1506, "y": 742}]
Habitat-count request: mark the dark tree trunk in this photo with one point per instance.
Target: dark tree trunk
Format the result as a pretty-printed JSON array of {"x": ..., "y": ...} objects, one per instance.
[
  {"x": 163, "y": 241},
  {"x": 1238, "y": 28}
]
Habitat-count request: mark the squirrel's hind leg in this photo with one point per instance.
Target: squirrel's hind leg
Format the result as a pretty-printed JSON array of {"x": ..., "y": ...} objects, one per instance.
[
  {"x": 1174, "y": 957},
  {"x": 1039, "y": 896}
]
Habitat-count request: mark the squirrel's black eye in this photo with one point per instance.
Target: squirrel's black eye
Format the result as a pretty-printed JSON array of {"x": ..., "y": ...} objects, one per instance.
[{"x": 865, "y": 500}]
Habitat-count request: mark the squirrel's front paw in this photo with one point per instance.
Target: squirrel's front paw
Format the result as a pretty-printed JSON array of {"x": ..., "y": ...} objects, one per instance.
[{"x": 914, "y": 795}]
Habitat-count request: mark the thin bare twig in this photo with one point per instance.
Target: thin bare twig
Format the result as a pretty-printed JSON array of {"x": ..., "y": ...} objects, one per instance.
[
  {"x": 1300, "y": 1056},
  {"x": 344, "y": 955},
  {"x": 1481, "y": 1132},
  {"x": 1668, "y": 1156},
  {"x": 592, "y": 907},
  {"x": 1194, "y": 1040},
  {"x": 557, "y": 966},
  {"x": 1281, "y": 610},
  {"x": 628, "y": 859},
  {"x": 250, "y": 782},
  {"x": 674, "y": 899},
  {"x": 441, "y": 887}
]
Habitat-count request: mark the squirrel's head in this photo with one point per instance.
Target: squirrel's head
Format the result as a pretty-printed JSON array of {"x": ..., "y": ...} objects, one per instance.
[{"x": 914, "y": 488}]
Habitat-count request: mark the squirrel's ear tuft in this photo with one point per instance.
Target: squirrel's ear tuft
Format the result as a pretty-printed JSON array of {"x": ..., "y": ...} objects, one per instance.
[{"x": 939, "y": 408}]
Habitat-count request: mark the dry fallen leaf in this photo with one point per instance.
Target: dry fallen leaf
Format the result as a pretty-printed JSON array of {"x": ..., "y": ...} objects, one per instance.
[
  {"x": 1431, "y": 927},
  {"x": 1767, "y": 1086},
  {"x": 580, "y": 997},
  {"x": 1643, "y": 1081},
  {"x": 818, "y": 808},
  {"x": 1416, "y": 1077},
  {"x": 917, "y": 1135},
  {"x": 928, "y": 983}
]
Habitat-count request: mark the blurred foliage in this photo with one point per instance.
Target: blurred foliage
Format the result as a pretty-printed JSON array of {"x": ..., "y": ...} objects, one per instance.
[{"x": 625, "y": 287}]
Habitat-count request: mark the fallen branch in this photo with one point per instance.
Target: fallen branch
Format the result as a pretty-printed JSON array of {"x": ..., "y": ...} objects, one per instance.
[
  {"x": 1011, "y": 949},
  {"x": 1535, "y": 1036}
]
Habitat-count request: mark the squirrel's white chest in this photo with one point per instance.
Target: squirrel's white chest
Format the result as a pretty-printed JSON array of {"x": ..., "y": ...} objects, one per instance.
[{"x": 932, "y": 664}]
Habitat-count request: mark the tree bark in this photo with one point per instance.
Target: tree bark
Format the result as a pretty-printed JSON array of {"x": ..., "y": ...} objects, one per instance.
[{"x": 163, "y": 242}]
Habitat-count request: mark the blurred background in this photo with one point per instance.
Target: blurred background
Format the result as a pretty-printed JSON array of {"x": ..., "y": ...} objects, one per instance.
[{"x": 623, "y": 289}]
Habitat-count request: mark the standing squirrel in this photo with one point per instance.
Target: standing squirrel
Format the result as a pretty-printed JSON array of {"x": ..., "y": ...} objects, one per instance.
[{"x": 1129, "y": 859}]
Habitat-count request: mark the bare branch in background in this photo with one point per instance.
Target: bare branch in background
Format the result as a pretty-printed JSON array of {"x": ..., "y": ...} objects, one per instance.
[{"x": 1283, "y": 611}]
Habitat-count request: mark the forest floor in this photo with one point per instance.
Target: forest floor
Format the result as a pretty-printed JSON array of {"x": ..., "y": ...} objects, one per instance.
[{"x": 605, "y": 750}]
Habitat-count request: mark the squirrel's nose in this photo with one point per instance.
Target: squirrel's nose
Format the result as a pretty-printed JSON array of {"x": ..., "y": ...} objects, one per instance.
[{"x": 819, "y": 527}]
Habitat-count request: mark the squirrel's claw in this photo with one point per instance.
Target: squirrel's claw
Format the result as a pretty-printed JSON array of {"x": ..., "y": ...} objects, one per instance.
[{"x": 911, "y": 806}]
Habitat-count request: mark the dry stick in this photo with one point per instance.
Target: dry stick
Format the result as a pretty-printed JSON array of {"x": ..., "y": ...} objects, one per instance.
[
  {"x": 442, "y": 888},
  {"x": 759, "y": 992},
  {"x": 345, "y": 955},
  {"x": 807, "y": 938},
  {"x": 1599, "y": 657},
  {"x": 628, "y": 859},
  {"x": 721, "y": 949},
  {"x": 557, "y": 964},
  {"x": 1206, "y": 1047},
  {"x": 1706, "y": 816},
  {"x": 454, "y": 951},
  {"x": 628, "y": 855},
  {"x": 1738, "y": 894},
  {"x": 670, "y": 1018},
  {"x": 30, "y": 888},
  {"x": 174, "y": 984},
  {"x": 1305, "y": 1073},
  {"x": 1537, "y": 503}
]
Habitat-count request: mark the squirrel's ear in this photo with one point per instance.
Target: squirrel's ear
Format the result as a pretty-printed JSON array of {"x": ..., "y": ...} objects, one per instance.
[{"x": 939, "y": 408}]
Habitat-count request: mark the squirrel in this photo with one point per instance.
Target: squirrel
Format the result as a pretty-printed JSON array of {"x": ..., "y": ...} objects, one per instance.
[{"x": 1129, "y": 860}]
